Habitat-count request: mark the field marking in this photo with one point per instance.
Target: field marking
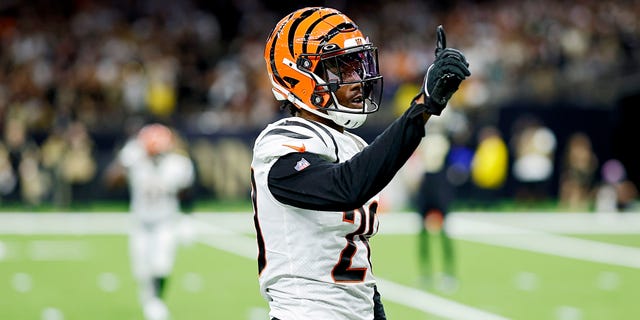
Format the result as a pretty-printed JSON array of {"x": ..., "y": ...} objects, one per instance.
[
  {"x": 233, "y": 232},
  {"x": 431, "y": 303},
  {"x": 544, "y": 242},
  {"x": 222, "y": 238},
  {"x": 26, "y": 223},
  {"x": 498, "y": 229},
  {"x": 534, "y": 232},
  {"x": 58, "y": 250},
  {"x": 391, "y": 223},
  {"x": 564, "y": 223}
]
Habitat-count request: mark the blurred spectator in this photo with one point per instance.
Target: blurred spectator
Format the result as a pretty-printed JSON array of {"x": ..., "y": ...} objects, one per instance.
[
  {"x": 53, "y": 149},
  {"x": 616, "y": 193},
  {"x": 14, "y": 137},
  {"x": 24, "y": 162},
  {"x": 100, "y": 62},
  {"x": 490, "y": 164},
  {"x": 222, "y": 167},
  {"x": 579, "y": 164},
  {"x": 34, "y": 184},
  {"x": 68, "y": 157},
  {"x": 78, "y": 165},
  {"x": 534, "y": 146},
  {"x": 8, "y": 177},
  {"x": 160, "y": 59}
]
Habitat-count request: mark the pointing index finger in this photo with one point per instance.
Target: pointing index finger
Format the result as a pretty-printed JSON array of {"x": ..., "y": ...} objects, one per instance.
[{"x": 441, "y": 39}]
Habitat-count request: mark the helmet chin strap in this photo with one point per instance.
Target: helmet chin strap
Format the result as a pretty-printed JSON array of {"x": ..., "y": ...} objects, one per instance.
[{"x": 346, "y": 119}]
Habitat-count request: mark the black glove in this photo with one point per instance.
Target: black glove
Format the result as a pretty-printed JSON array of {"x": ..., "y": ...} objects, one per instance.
[{"x": 444, "y": 76}]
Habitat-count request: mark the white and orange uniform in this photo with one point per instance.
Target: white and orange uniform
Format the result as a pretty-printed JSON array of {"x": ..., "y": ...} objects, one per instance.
[
  {"x": 315, "y": 200},
  {"x": 154, "y": 185}
]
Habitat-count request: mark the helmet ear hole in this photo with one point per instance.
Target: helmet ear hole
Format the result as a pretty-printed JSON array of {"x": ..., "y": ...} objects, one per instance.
[{"x": 304, "y": 63}]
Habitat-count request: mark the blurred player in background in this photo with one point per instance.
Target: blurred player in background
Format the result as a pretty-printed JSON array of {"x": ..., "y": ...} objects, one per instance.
[
  {"x": 315, "y": 184},
  {"x": 158, "y": 175},
  {"x": 432, "y": 200}
]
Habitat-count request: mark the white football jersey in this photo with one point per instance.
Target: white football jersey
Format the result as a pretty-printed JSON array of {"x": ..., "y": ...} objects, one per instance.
[
  {"x": 313, "y": 264},
  {"x": 155, "y": 182}
]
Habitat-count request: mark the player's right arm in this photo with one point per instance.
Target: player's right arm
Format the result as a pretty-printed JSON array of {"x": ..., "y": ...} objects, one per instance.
[{"x": 115, "y": 175}]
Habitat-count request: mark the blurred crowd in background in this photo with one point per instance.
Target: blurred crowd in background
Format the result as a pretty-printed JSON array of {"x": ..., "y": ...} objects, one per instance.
[{"x": 557, "y": 82}]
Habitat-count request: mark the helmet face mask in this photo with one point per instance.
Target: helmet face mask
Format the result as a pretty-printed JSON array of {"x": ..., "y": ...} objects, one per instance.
[
  {"x": 353, "y": 66},
  {"x": 314, "y": 52},
  {"x": 156, "y": 139}
]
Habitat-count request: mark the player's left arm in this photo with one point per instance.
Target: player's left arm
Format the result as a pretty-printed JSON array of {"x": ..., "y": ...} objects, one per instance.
[{"x": 318, "y": 184}]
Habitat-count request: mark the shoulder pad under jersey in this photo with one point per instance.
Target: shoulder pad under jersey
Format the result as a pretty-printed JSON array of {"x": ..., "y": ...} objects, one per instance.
[{"x": 295, "y": 134}]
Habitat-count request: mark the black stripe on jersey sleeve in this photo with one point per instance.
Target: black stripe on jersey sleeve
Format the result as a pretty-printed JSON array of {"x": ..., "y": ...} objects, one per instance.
[
  {"x": 326, "y": 186},
  {"x": 304, "y": 125},
  {"x": 287, "y": 133},
  {"x": 335, "y": 144}
]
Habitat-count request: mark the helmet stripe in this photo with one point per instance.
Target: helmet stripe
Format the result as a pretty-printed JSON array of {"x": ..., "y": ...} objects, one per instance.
[
  {"x": 272, "y": 51},
  {"x": 307, "y": 33},
  {"x": 276, "y": 75},
  {"x": 294, "y": 26}
]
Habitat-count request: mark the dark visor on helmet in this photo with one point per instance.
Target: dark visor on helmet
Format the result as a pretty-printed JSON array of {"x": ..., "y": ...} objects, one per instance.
[{"x": 356, "y": 65}]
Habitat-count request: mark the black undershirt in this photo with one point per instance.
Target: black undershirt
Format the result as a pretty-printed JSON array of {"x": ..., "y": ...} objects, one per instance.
[{"x": 328, "y": 186}]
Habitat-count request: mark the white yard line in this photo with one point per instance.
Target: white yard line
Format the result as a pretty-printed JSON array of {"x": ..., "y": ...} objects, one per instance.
[
  {"x": 64, "y": 223},
  {"x": 535, "y": 232},
  {"x": 565, "y": 223},
  {"x": 233, "y": 232},
  {"x": 543, "y": 242},
  {"x": 531, "y": 232},
  {"x": 221, "y": 238},
  {"x": 432, "y": 304}
]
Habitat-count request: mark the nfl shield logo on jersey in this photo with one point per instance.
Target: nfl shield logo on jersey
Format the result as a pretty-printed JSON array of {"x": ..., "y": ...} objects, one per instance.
[{"x": 303, "y": 163}]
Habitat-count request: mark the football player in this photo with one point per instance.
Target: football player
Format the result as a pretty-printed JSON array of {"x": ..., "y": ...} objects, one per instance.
[
  {"x": 315, "y": 184},
  {"x": 156, "y": 174}
]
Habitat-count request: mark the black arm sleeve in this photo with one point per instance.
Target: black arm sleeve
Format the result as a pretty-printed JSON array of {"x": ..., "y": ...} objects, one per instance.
[{"x": 328, "y": 186}]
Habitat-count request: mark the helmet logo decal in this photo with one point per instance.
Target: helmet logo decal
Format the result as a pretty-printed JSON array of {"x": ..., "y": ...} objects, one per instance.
[
  {"x": 329, "y": 47},
  {"x": 345, "y": 26},
  {"x": 358, "y": 41}
]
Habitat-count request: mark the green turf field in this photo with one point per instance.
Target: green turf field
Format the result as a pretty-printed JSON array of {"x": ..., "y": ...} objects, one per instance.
[{"x": 58, "y": 275}]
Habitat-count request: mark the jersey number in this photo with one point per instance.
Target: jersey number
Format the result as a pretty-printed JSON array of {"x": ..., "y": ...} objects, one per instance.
[{"x": 342, "y": 271}]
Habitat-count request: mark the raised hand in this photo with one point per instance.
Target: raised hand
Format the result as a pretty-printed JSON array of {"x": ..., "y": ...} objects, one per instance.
[{"x": 444, "y": 76}]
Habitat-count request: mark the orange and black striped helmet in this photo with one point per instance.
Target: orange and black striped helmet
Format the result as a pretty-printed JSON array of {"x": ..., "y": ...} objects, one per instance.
[
  {"x": 156, "y": 138},
  {"x": 311, "y": 53}
]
